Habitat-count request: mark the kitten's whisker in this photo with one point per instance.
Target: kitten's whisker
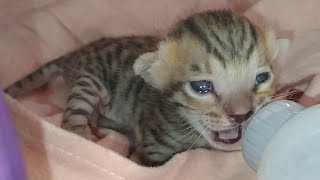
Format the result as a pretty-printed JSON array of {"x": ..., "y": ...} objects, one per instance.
[
  {"x": 279, "y": 98},
  {"x": 288, "y": 93},
  {"x": 185, "y": 135},
  {"x": 186, "y": 128},
  {"x": 282, "y": 96},
  {"x": 194, "y": 132},
  {"x": 184, "y": 124},
  {"x": 195, "y": 142}
]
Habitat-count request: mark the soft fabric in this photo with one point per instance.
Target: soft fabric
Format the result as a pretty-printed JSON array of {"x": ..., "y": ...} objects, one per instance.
[
  {"x": 11, "y": 166},
  {"x": 33, "y": 33}
]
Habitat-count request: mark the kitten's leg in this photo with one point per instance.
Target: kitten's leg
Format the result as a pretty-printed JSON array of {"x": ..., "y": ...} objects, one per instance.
[
  {"x": 104, "y": 124},
  {"x": 107, "y": 123},
  {"x": 87, "y": 94}
]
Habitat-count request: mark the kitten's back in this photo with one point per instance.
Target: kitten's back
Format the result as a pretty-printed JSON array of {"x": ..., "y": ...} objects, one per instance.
[{"x": 68, "y": 64}]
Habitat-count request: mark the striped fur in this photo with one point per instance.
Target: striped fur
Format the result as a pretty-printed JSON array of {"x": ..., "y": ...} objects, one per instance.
[{"x": 140, "y": 86}]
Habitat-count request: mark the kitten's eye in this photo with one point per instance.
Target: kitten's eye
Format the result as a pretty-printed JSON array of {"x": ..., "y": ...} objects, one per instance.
[
  {"x": 202, "y": 86},
  {"x": 261, "y": 78}
]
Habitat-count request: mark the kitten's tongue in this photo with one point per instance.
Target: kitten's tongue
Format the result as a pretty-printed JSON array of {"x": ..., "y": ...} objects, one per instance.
[{"x": 229, "y": 134}]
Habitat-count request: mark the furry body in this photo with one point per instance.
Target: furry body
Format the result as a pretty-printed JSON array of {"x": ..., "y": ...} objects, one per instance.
[{"x": 140, "y": 86}]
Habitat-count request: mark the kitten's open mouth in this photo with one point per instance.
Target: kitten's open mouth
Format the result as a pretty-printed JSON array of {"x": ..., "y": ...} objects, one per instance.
[
  {"x": 230, "y": 136},
  {"x": 228, "y": 140}
]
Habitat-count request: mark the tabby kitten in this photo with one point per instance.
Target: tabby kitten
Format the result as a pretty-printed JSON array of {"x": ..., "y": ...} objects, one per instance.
[{"x": 193, "y": 88}]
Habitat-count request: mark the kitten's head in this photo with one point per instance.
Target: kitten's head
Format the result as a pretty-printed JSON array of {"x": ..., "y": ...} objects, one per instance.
[{"x": 220, "y": 67}]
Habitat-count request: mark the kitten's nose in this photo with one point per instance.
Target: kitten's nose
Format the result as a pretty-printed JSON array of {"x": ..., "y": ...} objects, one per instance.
[
  {"x": 239, "y": 107},
  {"x": 240, "y": 118}
]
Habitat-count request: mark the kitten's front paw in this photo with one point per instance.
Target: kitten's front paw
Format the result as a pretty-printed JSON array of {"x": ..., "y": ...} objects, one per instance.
[
  {"x": 151, "y": 163},
  {"x": 79, "y": 130}
]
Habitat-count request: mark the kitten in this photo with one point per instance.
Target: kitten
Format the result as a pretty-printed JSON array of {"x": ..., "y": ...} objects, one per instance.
[{"x": 191, "y": 89}]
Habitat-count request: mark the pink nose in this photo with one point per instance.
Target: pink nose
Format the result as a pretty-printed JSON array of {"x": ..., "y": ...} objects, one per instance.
[{"x": 240, "y": 118}]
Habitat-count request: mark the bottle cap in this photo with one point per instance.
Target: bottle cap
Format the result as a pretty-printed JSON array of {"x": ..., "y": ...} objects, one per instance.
[{"x": 263, "y": 125}]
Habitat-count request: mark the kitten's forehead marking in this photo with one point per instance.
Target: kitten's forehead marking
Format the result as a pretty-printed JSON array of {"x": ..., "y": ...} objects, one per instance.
[
  {"x": 235, "y": 76},
  {"x": 224, "y": 34},
  {"x": 195, "y": 68}
]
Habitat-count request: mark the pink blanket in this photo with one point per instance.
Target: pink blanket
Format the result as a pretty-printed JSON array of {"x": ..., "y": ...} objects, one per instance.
[{"x": 34, "y": 32}]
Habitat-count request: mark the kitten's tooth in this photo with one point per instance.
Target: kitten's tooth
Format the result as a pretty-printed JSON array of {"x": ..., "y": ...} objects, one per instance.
[{"x": 229, "y": 134}]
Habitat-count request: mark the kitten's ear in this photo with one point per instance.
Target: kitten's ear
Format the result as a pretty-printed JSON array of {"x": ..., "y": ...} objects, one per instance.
[
  {"x": 143, "y": 63},
  {"x": 282, "y": 45},
  {"x": 161, "y": 68},
  {"x": 143, "y": 66},
  {"x": 278, "y": 45}
]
